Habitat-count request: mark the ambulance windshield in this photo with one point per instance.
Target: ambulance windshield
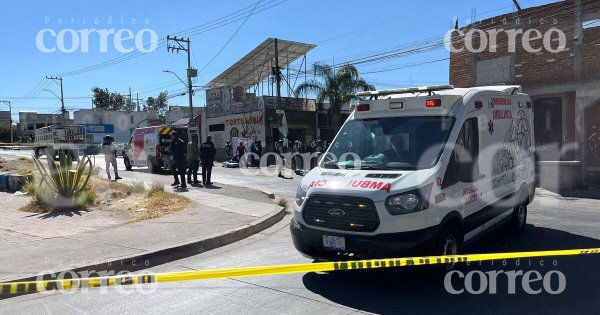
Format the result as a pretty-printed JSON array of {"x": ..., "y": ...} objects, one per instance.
[{"x": 389, "y": 143}]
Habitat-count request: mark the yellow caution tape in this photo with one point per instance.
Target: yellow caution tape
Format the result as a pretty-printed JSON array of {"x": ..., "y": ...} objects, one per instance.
[{"x": 12, "y": 288}]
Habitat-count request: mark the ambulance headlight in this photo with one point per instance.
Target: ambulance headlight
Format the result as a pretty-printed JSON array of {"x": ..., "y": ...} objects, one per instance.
[
  {"x": 408, "y": 202},
  {"x": 300, "y": 196}
]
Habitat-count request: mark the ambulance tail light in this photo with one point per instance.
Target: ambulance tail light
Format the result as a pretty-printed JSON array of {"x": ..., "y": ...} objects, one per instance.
[
  {"x": 528, "y": 104},
  {"x": 433, "y": 102},
  {"x": 363, "y": 107},
  {"x": 478, "y": 105},
  {"x": 158, "y": 149}
]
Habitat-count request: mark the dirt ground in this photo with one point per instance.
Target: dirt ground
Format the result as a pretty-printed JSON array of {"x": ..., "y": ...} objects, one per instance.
[{"x": 131, "y": 201}]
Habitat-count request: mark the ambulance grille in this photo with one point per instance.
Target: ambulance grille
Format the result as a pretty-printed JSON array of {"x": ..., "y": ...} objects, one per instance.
[
  {"x": 382, "y": 175},
  {"x": 343, "y": 213}
]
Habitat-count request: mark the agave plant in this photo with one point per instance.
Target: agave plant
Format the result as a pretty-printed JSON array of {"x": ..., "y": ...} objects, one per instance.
[{"x": 63, "y": 177}]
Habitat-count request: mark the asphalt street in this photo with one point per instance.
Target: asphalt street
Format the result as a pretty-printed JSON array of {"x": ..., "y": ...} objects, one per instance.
[{"x": 554, "y": 223}]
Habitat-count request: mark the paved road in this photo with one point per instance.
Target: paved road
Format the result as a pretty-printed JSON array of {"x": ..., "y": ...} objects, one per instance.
[{"x": 553, "y": 224}]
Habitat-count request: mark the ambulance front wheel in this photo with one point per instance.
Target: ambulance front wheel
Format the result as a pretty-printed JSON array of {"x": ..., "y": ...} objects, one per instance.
[
  {"x": 127, "y": 163},
  {"x": 448, "y": 242}
]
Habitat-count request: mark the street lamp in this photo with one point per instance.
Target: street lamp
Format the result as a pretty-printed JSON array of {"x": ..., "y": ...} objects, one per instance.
[
  {"x": 10, "y": 121},
  {"x": 169, "y": 71},
  {"x": 51, "y": 92}
]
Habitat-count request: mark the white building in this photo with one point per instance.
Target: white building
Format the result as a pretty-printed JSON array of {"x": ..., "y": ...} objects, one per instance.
[
  {"x": 119, "y": 124},
  {"x": 176, "y": 113}
]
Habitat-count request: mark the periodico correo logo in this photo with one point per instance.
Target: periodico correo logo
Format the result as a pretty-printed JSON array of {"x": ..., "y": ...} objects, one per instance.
[
  {"x": 531, "y": 282},
  {"x": 476, "y": 40},
  {"x": 63, "y": 35}
]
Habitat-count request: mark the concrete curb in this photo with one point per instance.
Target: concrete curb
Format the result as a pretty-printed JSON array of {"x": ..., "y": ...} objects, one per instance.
[
  {"x": 268, "y": 193},
  {"x": 151, "y": 259}
]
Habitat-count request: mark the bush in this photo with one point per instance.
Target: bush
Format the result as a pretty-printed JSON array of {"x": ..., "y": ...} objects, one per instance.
[
  {"x": 137, "y": 188},
  {"x": 156, "y": 187},
  {"x": 87, "y": 198},
  {"x": 283, "y": 202},
  {"x": 66, "y": 181}
]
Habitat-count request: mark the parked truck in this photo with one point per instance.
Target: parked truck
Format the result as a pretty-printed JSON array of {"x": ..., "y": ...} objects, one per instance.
[{"x": 71, "y": 139}]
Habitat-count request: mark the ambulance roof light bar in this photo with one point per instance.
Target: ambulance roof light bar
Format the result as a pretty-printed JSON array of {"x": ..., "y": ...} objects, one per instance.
[{"x": 421, "y": 89}]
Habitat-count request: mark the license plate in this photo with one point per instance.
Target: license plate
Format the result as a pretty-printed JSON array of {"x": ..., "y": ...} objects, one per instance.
[{"x": 334, "y": 242}]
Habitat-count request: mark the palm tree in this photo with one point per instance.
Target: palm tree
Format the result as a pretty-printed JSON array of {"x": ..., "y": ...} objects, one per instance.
[{"x": 337, "y": 87}]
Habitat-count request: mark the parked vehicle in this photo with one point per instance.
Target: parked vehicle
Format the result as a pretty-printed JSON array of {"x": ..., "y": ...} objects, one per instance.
[
  {"x": 419, "y": 170},
  {"x": 53, "y": 139},
  {"x": 121, "y": 149},
  {"x": 146, "y": 146}
]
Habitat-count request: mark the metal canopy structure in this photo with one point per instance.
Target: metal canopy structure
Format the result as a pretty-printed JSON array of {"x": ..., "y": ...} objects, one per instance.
[{"x": 257, "y": 65}]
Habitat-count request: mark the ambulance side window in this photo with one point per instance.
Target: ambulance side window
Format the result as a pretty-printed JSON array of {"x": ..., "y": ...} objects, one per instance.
[{"x": 463, "y": 166}]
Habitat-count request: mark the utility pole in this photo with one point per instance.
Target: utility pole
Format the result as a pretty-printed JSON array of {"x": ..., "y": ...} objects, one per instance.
[
  {"x": 517, "y": 5},
  {"x": 137, "y": 100},
  {"x": 10, "y": 121},
  {"x": 277, "y": 74},
  {"x": 62, "y": 98},
  {"x": 190, "y": 71},
  {"x": 130, "y": 101}
]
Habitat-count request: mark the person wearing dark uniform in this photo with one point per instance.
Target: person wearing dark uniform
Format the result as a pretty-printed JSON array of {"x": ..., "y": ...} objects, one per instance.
[
  {"x": 178, "y": 151},
  {"x": 207, "y": 156},
  {"x": 193, "y": 159}
]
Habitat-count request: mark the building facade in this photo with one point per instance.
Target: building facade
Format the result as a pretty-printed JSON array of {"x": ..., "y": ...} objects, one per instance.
[
  {"x": 555, "y": 56},
  {"x": 118, "y": 124}
]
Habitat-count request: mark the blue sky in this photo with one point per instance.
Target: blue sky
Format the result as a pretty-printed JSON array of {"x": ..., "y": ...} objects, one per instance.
[{"x": 342, "y": 30}]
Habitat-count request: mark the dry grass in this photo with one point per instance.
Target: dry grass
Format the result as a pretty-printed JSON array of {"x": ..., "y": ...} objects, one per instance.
[
  {"x": 124, "y": 200},
  {"x": 283, "y": 202},
  {"x": 159, "y": 204},
  {"x": 20, "y": 165}
]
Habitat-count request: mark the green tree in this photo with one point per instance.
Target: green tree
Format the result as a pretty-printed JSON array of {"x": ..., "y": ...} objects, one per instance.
[
  {"x": 336, "y": 87},
  {"x": 101, "y": 98},
  {"x": 150, "y": 103},
  {"x": 160, "y": 103},
  {"x": 106, "y": 100}
]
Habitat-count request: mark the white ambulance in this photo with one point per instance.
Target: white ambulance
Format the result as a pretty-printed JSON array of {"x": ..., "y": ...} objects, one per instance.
[
  {"x": 147, "y": 146},
  {"x": 419, "y": 170}
]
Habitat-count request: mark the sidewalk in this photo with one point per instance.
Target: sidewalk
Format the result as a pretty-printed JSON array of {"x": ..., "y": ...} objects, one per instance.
[{"x": 31, "y": 243}]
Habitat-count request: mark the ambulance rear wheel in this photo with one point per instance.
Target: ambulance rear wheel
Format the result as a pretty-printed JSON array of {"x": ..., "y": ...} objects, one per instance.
[
  {"x": 127, "y": 163},
  {"x": 519, "y": 218}
]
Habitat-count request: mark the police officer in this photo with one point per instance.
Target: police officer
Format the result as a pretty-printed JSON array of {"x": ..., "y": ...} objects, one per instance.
[
  {"x": 110, "y": 156},
  {"x": 193, "y": 159},
  {"x": 207, "y": 155},
  {"x": 178, "y": 151}
]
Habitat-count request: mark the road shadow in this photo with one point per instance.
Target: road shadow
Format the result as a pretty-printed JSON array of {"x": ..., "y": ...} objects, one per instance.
[
  {"x": 577, "y": 194},
  {"x": 419, "y": 290},
  {"x": 212, "y": 187}
]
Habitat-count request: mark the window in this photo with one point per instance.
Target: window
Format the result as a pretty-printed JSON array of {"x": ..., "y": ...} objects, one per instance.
[
  {"x": 463, "y": 166},
  {"x": 216, "y": 127},
  {"x": 390, "y": 143}
]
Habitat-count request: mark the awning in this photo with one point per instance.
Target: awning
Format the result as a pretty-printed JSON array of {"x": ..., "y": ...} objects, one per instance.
[{"x": 256, "y": 65}]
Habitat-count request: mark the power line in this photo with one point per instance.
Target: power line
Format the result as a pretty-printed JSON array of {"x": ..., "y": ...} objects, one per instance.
[{"x": 231, "y": 37}]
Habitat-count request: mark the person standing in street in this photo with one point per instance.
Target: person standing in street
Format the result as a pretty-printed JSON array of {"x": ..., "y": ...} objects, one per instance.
[
  {"x": 193, "y": 159},
  {"x": 110, "y": 156},
  {"x": 240, "y": 151},
  {"x": 178, "y": 149},
  {"x": 207, "y": 155}
]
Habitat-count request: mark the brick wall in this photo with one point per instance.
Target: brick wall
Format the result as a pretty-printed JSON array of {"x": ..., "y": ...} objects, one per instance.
[{"x": 526, "y": 68}]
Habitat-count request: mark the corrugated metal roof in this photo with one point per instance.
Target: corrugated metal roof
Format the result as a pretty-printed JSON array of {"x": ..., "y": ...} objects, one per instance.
[{"x": 256, "y": 65}]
